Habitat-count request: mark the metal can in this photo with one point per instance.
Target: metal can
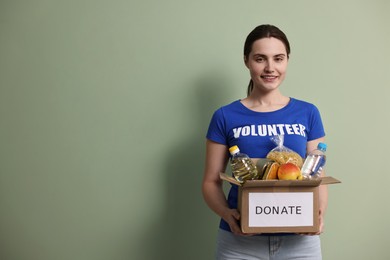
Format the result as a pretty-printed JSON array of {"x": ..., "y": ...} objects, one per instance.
[{"x": 267, "y": 168}]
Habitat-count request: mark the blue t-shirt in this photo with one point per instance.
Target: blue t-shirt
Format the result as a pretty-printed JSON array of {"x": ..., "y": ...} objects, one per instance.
[{"x": 235, "y": 124}]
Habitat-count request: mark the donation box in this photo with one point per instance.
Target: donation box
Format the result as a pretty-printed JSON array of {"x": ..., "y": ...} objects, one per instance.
[{"x": 279, "y": 206}]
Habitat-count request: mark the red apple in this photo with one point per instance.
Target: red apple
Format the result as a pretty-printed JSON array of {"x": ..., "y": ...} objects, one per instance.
[{"x": 289, "y": 171}]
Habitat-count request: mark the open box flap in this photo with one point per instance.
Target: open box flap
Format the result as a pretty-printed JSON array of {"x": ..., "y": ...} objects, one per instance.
[
  {"x": 225, "y": 177},
  {"x": 329, "y": 180}
]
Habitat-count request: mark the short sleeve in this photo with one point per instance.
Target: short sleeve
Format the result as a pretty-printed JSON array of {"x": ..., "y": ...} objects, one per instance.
[
  {"x": 217, "y": 128},
  {"x": 316, "y": 127}
]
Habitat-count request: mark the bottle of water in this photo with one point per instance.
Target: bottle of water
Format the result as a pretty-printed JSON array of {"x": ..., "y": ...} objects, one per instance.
[
  {"x": 314, "y": 162},
  {"x": 243, "y": 167}
]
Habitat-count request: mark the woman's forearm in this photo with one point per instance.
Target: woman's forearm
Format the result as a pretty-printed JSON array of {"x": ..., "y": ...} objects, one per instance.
[{"x": 214, "y": 196}]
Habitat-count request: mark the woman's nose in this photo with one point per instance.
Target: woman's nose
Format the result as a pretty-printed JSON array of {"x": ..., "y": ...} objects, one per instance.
[{"x": 269, "y": 67}]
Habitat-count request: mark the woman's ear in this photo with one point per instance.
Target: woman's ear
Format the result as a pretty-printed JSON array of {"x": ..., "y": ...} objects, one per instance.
[{"x": 246, "y": 61}]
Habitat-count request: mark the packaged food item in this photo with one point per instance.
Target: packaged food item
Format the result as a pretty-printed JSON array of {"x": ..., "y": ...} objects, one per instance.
[{"x": 282, "y": 154}]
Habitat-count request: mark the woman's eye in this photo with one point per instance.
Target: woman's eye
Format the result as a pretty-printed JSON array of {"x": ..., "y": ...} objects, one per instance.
[{"x": 259, "y": 59}]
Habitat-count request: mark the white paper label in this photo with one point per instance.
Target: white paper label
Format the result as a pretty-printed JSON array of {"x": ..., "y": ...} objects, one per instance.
[{"x": 280, "y": 209}]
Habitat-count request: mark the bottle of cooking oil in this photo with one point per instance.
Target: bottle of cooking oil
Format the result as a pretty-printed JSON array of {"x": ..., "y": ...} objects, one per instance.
[{"x": 242, "y": 166}]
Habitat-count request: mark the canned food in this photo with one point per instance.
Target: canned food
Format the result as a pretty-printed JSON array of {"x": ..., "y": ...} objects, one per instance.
[
  {"x": 271, "y": 172},
  {"x": 267, "y": 169}
]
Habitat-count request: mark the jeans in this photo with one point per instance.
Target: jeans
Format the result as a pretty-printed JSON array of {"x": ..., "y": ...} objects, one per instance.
[{"x": 230, "y": 246}]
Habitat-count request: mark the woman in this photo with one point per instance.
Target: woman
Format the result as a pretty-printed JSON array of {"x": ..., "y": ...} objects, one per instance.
[{"x": 266, "y": 55}]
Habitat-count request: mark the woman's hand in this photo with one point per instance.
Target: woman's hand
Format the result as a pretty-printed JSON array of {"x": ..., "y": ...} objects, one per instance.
[
  {"x": 232, "y": 217},
  {"x": 321, "y": 225}
]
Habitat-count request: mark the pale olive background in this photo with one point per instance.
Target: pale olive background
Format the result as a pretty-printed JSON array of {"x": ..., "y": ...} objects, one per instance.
[{"x": 104, "y": 107}]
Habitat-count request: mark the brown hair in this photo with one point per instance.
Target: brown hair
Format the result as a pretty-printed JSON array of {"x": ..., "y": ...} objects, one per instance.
[{"x": 263, "y": 31}]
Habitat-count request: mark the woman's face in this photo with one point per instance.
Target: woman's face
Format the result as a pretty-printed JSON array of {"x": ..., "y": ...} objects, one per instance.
[{"x": 267, "y": 64}]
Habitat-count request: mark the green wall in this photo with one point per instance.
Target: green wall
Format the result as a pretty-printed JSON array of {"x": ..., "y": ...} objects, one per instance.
[{"x": 104, "y": 107}]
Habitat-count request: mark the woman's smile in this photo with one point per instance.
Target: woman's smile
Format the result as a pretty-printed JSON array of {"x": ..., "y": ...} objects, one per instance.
[{"x": 269, "y": 78}]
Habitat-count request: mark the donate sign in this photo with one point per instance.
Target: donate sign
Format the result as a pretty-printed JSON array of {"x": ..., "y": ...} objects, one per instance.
[{"x": 280, "y": 209}]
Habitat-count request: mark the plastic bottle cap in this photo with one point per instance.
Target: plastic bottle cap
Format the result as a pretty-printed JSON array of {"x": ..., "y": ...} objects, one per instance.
[
  {"x": 234, "y": 149},
  {"x": 322, "y": 146}
]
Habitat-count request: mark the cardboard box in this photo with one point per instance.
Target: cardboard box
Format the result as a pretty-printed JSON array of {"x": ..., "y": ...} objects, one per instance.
[{"x": 279, "y": 206}]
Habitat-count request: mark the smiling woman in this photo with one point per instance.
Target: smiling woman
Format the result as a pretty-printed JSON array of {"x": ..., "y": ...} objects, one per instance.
[{"x": 249, "y": 123}]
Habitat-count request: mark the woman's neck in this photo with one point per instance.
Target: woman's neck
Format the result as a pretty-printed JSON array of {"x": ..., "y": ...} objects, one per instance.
[{"x": 266, "y": 102}]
